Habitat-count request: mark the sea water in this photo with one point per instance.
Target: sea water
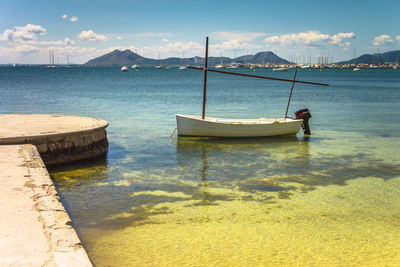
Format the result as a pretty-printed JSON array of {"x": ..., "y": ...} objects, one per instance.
[{"x": 161, "y": 200}]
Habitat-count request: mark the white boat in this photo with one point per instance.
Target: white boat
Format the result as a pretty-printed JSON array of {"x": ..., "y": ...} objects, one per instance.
[
  {"x": 124, "y": 68},
  {"x": 190, "y": 125},
  {"x": 279, "y": 69},
  {"x": 182, "y": 67},
  {"x": 220, "y": 65},
  {"x": 356, "y": 69},
  {"x": 159, "y": 62},
  {"x": 135, "y": 66}
]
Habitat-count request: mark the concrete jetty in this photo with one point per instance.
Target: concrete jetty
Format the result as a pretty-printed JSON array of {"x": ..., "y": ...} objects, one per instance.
[
  {"x": 35, "y": 229},
  {"x": 59, "y": 139}
]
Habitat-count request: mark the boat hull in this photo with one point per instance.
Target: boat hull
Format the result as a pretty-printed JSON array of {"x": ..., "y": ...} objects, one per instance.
[{"x": 188, "y": 125}]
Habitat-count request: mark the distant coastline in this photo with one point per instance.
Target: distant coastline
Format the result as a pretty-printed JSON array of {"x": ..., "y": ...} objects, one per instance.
[{"x": 266, "y": 59}]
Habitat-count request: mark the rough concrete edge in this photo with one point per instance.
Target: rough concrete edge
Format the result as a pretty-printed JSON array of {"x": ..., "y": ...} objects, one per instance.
[
  {"x": 43, "y": 138},
  {"x": 65, "y": 246}
]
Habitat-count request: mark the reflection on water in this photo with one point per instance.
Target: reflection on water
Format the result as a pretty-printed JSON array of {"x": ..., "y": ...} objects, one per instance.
[
  {"x": 331, "y": 200},
  {"x": 326, "y": 200}
]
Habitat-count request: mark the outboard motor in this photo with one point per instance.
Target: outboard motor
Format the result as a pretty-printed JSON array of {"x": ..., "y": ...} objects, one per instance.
[{"x": 305, "y": 115}]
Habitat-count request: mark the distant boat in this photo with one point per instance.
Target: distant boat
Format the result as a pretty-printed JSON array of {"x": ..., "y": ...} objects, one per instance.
[
  {"x": 51, "y": 55},
  {"x": 356, "y": 69},
  {"x": 124, "y": 68},
  {"x": 159, "y": 62},
  {"x": 220, "y": 65},
  {"x": 182, "y": 67},
  {"x": 135, "y": 66},
  {"x": 279, "y": 69}
]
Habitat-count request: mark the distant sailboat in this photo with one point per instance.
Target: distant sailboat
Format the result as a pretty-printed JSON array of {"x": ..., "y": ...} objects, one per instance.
[
  {"x": 220, "y": 65},
  {"x": 182, "y": 67},
  {"x": 159, "y": 62},
  {"x": 51, "y": 56},
  {"x": 356, "y": 68},
  {"x": 233, "y": 65}
]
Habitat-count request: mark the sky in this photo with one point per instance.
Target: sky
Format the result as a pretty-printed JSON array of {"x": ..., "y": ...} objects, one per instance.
[{"x": 299, "y": 31}]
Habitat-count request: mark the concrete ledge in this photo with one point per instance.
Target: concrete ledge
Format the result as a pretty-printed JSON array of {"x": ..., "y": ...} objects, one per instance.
[
  {"x": 59, "y": 139},
  {"x": 35, "y": 229}
]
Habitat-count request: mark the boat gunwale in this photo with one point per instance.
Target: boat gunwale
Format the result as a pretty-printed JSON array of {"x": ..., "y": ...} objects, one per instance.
[{"x": 244, "y": 122}]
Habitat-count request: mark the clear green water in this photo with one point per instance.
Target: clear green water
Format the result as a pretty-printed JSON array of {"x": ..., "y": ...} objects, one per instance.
[{"x": 332, "y": 199}]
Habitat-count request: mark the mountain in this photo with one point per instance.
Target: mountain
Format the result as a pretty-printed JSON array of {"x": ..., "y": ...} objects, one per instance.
[
  {"x": 118, "y": 58},
  {"x": 261, "y": 58},
  {"x": 127, "y": 57},
  {"x": 391, "y": 56}
]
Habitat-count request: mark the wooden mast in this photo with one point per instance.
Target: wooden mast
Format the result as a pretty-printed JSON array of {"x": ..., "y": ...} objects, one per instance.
[
  {"x": 290, "y": 96},
  {"x": 205, "y": 81}
]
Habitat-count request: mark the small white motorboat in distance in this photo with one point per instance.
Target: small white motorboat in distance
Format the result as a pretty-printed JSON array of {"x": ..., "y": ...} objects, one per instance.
[
  {"x": 356, "y": 69},
  {"x": 182, "y": 67},
  {"x": 280, "y": 69},
  {"x": 190, "y": 125},
  {"x": 135, "y": 66},
  {"x": 124, "y": 68}
]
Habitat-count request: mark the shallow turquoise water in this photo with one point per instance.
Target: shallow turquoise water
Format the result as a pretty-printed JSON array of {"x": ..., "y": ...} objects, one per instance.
[{"x": 152, "y": 183}]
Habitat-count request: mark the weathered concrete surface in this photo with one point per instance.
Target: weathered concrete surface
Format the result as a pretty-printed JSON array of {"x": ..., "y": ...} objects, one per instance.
[
  {"x": 59, "y": 139},
  {"x": 35, "y": 229}
]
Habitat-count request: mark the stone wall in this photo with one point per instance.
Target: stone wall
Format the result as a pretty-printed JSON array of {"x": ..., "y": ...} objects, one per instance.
[{"x": 72, "y": 147}]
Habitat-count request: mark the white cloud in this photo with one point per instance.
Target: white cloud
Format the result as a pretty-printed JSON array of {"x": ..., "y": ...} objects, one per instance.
[
  {"x": 73, "y": 19},
  {"x": 234, "y": 45},
  {"x": 243, "y": 36},
  {"x": 26, "y": 49},
  {"x": 141, "y": 36},
  {"x": 311, "y": 38},
  {"x": 165, "y": 40},
  {"x": 28, "y": 32},
  {"x": 382, "y": 40},
  {"x": 398, "y": 38},
  {"x": 118, "y": 37},
  {"x": 92, "y": 36},
  {"x": 66, "y": 41},
  {"x": 65, "y": 16}
]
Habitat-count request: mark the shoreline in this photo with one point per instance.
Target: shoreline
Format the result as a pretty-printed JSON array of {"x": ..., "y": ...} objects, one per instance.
[{"x": 35, "y": 226}]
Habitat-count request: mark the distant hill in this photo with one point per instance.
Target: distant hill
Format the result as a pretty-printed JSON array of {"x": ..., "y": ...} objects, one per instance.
[
  {"x": 127, "y": 57},
  {"x": 261, "y": 58},
  {"x": 391, "y": 56},
  {"x": 118, "y": 58}
]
